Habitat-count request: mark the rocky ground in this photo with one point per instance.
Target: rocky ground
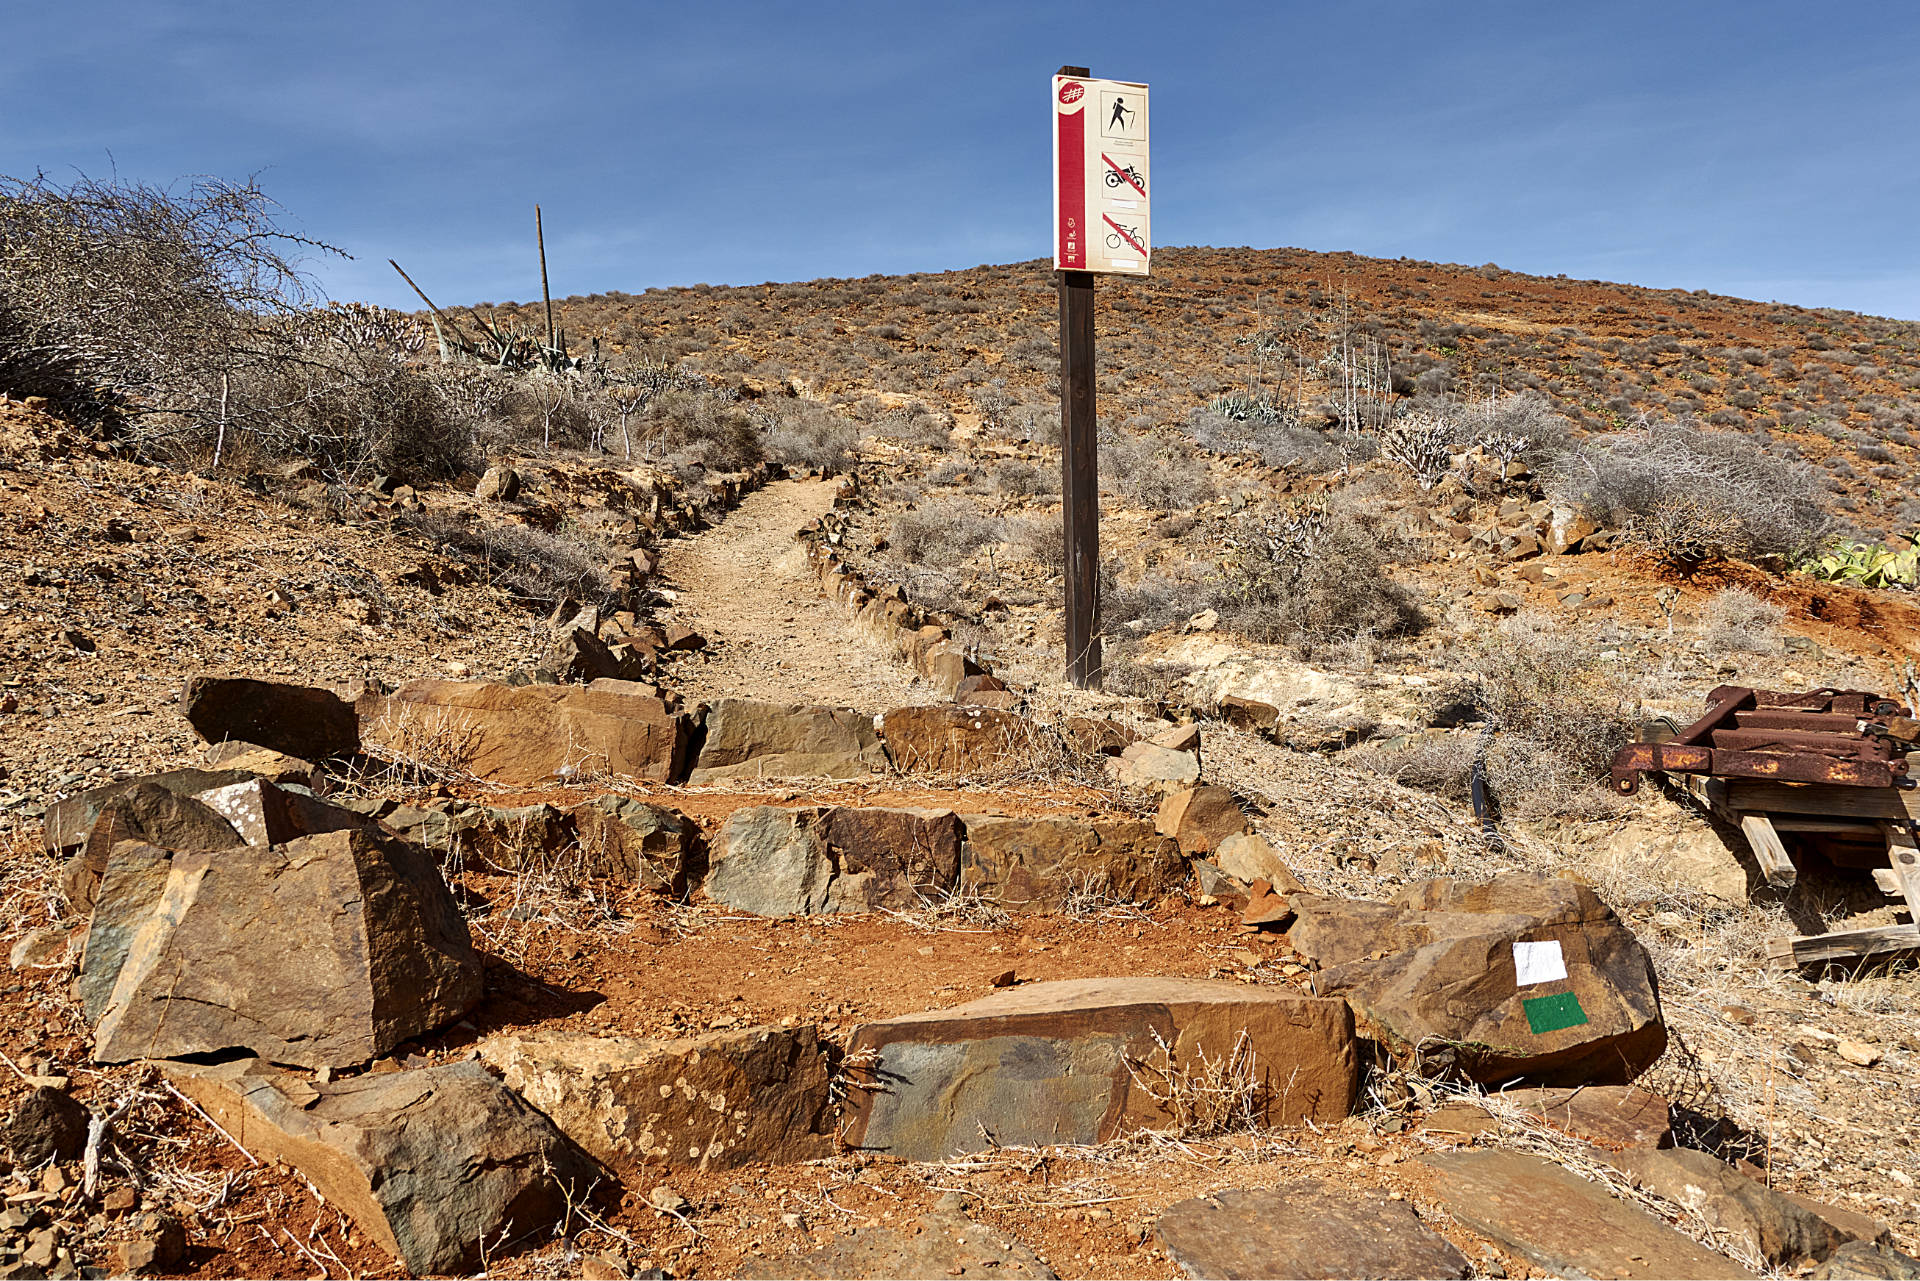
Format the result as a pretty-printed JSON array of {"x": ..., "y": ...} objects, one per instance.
[{"x": 693, "y": 912}]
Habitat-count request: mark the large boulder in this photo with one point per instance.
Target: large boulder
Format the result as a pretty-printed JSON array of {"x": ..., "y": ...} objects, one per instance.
[
  {"x": 775, "y": 861},
  {"x": 327, "y": 951},
  {"x": 754, "y": 1096},
  {"x": 250, "y": 812},
  {"x": 432, "y": 1163},
  {"x": 1308, "y": 1228},
  {"x": 298, "y": 720},
  {"x": 1200, "y": 818},
  {"x": 530, "y": 734},
  {"x": 749, "y": 739},
  {"x": 1265, "y": 692},
  {"x": 946, "y": 739},
  {"x": 1525, "y": 977},
  {"x": 1787, "y": 1231},
  {"x": 1041, "y": 864},
  {"x": 771, "y": 862},
  {"x": 1074, "y": 1062}
]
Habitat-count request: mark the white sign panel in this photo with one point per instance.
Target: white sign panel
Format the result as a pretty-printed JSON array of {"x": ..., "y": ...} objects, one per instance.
[{"x": 1100, "y": 178}]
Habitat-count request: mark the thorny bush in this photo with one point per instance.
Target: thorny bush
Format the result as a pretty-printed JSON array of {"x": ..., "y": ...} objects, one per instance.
[
  {"x": 1312, "y": 578},
  {"x": 1691, "y": 496}
]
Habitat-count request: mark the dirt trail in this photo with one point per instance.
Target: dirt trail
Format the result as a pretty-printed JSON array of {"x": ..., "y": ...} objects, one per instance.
[{"x": 744, "y": 585}]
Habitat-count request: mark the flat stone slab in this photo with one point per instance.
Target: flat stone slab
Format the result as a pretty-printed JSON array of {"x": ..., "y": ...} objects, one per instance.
[
  {"x": 1564, "y": 1224},
  {"x": 725, "y": 1099},
  {"x": 1614, "y": 1116},
  {"x": 1305, "y": 1229},
  {"x": 941, "y": 1244},
  {"x": 1040, "y": 864},
  {"x": 749, "y": 739},
  {"x": 1056, "y": 1062},
  {"x": 530, "y": 734}
]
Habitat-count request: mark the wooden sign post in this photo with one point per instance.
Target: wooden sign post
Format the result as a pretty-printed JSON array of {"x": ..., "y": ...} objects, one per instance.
[{"x": 1101, "y": 224}]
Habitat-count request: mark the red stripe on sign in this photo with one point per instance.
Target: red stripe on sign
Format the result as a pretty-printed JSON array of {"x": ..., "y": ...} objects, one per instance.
[
  {"x": 1140, "y": 248},
  {"x": 1123, "y": 173},
  {"x": 1072, "y": 180}
]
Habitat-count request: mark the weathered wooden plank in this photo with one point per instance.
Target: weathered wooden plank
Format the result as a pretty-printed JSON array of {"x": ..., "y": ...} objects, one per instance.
[
  {"x": 1769, "y": 851},
  {"x": 1904, "y": 853},
  {"x": 1825, "y": 826},
  {"x": 1709, "y": 792},
  {"x": 1753, "y": 796},
  {"x": 1889, "y": 883},
  {"x": 1845, "y": 945}
]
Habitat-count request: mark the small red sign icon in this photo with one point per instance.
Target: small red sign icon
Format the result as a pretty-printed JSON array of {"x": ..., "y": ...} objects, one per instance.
[{"x": 1072, "y": 91}]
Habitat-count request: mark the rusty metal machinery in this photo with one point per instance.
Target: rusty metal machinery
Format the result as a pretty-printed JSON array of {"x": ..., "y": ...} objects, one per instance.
[{"x": 1847, "y": 737}]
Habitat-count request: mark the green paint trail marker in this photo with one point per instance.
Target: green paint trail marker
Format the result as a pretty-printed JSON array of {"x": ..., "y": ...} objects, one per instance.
[{"x": 1553, "y": 1013}]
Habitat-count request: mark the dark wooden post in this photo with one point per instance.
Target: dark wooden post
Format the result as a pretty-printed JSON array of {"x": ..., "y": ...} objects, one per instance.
[{"x": 1080, "y": 470}]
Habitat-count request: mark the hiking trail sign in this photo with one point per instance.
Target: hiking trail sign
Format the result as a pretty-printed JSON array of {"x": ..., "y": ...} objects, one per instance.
[{"x": 1101, "y": 183}]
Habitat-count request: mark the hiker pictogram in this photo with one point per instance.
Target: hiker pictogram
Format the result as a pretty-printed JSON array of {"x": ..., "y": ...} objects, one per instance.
[{"x": 1121, "y": 113}]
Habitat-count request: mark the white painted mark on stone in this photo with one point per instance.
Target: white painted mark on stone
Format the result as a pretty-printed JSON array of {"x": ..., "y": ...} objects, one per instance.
[{"x": 1538, "y": 962}]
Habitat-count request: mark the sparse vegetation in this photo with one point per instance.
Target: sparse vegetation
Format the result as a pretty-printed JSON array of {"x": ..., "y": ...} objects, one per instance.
[
  {"x": 1311, "y": 579},
  {"x": 1737, "y": 621}
]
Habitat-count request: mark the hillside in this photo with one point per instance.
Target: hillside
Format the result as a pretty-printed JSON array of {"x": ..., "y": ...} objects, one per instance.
[{"x": 653, "y": 765}]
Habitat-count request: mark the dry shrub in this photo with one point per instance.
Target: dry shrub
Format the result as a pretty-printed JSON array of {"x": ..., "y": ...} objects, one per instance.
[
  {"x": 1737, "y": 621},
  {"x": 1204, "y": 1096},
  {"x": 1691, "y": 496},
  {"x": 540, "y": 569},
  {"x": 943, "y": 533},
  {"x": 1312, "y": 579},
  {"x": 804, "y": 433}
]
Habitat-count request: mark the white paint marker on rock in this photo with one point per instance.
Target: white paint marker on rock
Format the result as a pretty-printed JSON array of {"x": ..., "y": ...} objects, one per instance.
[{"x": 1538, "y": 962}]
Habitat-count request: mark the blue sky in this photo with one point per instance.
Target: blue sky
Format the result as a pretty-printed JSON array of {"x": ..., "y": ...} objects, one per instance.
[{"x": 1761, "y": 149}]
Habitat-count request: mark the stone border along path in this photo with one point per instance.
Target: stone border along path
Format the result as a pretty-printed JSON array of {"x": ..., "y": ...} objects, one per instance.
[
  {"x": 202, "y": 887},
  {"x": 744, "y": 585}
]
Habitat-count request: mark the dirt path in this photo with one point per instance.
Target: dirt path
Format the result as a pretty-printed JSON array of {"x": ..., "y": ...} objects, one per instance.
[{"x": 744, "y": 584}]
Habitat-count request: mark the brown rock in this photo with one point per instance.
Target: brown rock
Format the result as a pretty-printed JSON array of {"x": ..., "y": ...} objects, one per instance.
[
  {"x": 531, "y": 734},
  {"x": 327, "y": 951},
  {"x": 1613, "y": 1116},
  {"x": 683, "y": 639},
  {"x": 1562, "y": 1223},
  {"x": 1097, "y": 736},
  {"x": 634, "y": 843},
  {"x": 431, "y": 1163},
  {"x": 46, "y": 1125},
  {"x": 1154, "y": 767},
  {"x": 1050, "y": 1063},
  {"x": 68, "y": 823},
  {"x": 1200, "y": 818},
  {"x": 1777, "y": 1228},
  {"x": 1308, "y": 1228},
  {"x": 955, "y": 740},
  {"x": 264, "y": 762},
  {"x": 1264, "y": 906},
  {"x": 1248, "y": 858},
  {"x": 498, "y": 485},
  {"x": 158, "y": 1244},
  {"x": 297, "y": 720},
  {"x": 941, "y": 1244},
  {"x": 754, "y": 1096},
  {"x": 890, "y": 857},
  {"x": 1438, "y": 967},
  {"x": 264, "y": 814},
  {"x": 145, "y": 812},
  {"x": 1039, "y": 864},
  {"x": 749, "y": 739}
]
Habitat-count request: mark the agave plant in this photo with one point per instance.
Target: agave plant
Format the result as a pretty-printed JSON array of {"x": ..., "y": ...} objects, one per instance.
[{"x": 1867, "y": 565}]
